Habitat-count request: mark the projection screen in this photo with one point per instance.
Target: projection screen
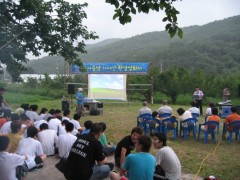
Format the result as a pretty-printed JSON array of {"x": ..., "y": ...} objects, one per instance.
[{"x": 107, "y": 86}]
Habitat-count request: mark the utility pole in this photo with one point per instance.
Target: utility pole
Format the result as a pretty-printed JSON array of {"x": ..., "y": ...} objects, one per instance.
[{"x": 161, "y": 67}]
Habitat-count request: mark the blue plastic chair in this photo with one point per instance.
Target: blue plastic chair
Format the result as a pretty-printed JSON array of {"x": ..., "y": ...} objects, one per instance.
[
  {"x": 191, "y": 125},
  {"x": 226, "y": 110},
  {"x": 218, "y": 127},
  {"x": 168, "y": 125},
  {"x": 141, "y": 120},
  {"x": 235, "y": 126},
  {"x": 212, "y": 125},
  {"x": 164, "y": 115},
  {"x": 152, "y": 124},
  {"x": 195, "y": 115}
]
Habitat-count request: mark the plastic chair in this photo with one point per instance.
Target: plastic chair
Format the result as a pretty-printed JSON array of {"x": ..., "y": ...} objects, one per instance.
[
  {"x": 218, "y": 127},
  {"x": 187, "y": 126},
  {"x": 141, "y": 120},
  {"x": 195, "y": 115},
  {"x": 235, "y": 126},
  {"x": 226, "y": 110},
  {"x": 212, "y": 125},
  {"x": 164, "y": 115},
  {"x": 152, "y": 124},
  {"x": 170, "y": 124}
]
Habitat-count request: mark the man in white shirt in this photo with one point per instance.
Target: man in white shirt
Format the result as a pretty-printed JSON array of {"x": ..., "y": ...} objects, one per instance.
[
  {"x": 26, "y": 123},
  {"x": 168, "y": 165},
  {"x": 32, "y": 148},
  {"x": 32, "y": 112},
  {"x": 198, "y": 98},
  {"x": 55, "y": 124},
  {"x": 194, "y": 109},
  {"x": 75, "y": 122},
  {"x": 8, "y": 161},
  {"x": 48, "y": 139},
  {"x": 65, "y": 141},
  {"x": 165, "y": 108},
  {"x": 66, "y": 114},
  {"x": 145, "y": 109}
]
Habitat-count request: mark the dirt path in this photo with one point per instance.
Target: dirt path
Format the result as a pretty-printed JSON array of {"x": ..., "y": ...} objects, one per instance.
[{"x": 49, "y": 172}]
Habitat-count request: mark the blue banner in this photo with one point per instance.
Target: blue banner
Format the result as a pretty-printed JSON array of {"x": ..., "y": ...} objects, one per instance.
[{"x": 113, "y": 68}]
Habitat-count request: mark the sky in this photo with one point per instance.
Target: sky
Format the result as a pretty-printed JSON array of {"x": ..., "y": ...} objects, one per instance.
[{"x": 192, "y": 12}]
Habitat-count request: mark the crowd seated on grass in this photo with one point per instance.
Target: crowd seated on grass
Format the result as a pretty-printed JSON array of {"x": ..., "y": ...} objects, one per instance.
[{"x": 27, "y": 142}]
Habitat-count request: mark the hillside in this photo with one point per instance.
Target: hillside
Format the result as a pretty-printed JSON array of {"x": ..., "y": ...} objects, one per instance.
[{"x": 214, "y": 47}]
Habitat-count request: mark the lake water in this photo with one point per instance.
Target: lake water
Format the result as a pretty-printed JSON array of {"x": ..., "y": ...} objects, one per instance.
[{"x": 36, "y": 76}]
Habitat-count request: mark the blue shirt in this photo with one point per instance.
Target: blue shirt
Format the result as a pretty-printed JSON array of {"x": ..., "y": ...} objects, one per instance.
[
  {"x": 79, "y": 97},
  {"x": 140, "y": 166}
]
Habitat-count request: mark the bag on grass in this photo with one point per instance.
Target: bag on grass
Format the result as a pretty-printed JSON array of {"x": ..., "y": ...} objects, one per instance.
[{"x": 61, "y": 165}]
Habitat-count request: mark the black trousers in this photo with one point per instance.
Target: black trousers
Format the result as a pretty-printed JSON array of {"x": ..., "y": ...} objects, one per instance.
[{"x": 199, "y": 105}]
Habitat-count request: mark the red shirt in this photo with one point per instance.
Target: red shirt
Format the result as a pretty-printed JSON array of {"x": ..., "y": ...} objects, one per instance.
[
  {"x": 2, "y": 122},
  {"x": 231, "y": 118}
]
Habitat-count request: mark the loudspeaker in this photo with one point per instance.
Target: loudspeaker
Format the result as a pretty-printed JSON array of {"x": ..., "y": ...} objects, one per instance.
[
  {"x": 94, "y": 112},
  {"x": 71, "y": 89},
  {"x": 100, "y": 105},
  {"x": 65, "y": 105}
]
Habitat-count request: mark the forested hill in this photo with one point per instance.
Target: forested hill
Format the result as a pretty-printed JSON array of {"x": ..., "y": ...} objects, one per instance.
[{"x": 214, "y": 47}]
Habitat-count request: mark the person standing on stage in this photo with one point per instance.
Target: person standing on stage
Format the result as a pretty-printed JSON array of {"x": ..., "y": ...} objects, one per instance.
[
  {"x": 198, "y": 98},
  {"x": 79, "y": 96},
  {"x": 226, "y": 94}
]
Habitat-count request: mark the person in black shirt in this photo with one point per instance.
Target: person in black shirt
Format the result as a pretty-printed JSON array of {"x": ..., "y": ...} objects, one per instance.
[
  {"x": 126, "y": 145},
  {"x": 85, "y": 151}
]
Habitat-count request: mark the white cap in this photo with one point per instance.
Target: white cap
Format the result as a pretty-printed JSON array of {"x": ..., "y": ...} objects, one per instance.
[{"x": 80, "y": 89}]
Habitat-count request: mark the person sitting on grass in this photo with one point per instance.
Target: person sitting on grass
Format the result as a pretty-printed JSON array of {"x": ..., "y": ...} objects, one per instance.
[
  {"x": 140, "y": 165},
  {"x": 32, "y": 112},
  {"x": 213, "y": 117},
  {"x": 86, "y": 160},
  {"x": 55, "y": 124},
  {"x": 168, "y": 165},
  {"x": 65, "y": 141},
  {"x": 42, "y": 113},
  {"x": 108, "y": 148},
  {"x": 75, "y": 121},
  {"x": 14, "y": 136},
  {"x": 48, "y": 139},
  {"x": 8, "y": 161},
  {"x": 26, "y": 123},
  {"x": 32, "y": 148},
  {"x": 5, "y": 116},
  {"x": 66, "y": 114},
  {"x": 87, "y": 125},
  {"x": 126, "y": 145}
]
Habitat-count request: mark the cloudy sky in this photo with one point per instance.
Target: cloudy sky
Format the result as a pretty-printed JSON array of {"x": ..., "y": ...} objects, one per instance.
[{"x": 192, "y": 12}]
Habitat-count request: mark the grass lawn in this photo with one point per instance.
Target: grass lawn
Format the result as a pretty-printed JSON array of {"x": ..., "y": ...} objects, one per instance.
[{"x": 121, "y": 118}]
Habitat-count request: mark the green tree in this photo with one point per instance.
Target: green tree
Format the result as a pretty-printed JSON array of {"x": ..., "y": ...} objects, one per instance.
[
  {"x": 53, "y": 26},
  {"x": 125, "y": 8},
  {"x": 171, "y": 82}
]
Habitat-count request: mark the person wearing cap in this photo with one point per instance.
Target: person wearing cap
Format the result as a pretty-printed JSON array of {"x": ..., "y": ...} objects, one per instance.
[{"x": 79, "y": 96}]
